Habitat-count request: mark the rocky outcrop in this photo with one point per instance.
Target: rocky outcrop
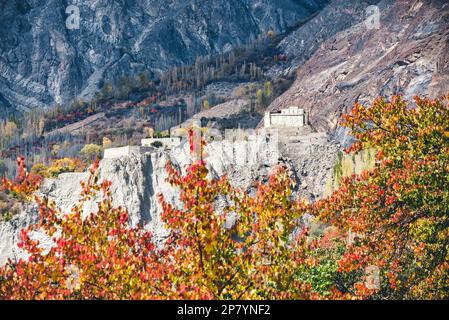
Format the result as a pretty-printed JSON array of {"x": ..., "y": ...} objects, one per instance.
[
  {"x": 301, "y": 43},
  {"x": 138, "y": 178},
  {"x": 42, "y": 62},
  {"x": 406, "y": 53},
  {"x": 311, "y": 157}
]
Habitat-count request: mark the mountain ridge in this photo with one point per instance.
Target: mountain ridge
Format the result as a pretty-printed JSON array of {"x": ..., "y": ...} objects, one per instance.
[{"x": 42, "y": 63}]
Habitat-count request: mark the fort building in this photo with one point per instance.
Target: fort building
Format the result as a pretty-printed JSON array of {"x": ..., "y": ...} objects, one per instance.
[{"x": 292, "y": 116}]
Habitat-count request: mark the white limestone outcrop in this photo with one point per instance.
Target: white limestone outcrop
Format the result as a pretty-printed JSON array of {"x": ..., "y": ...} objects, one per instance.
[{"x": 137, "y": 178}]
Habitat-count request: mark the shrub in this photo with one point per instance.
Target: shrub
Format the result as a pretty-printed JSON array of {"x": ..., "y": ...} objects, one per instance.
[
  {"x": 400, "y": 207},
  {"x": 157, "y": 144},
  {"x": 58, "y": 166},
  {"x": 65, "y": 165},
  {"x": 8, "y": 207},
  {"x": 90, "y": 152},
  {"x": 41, "y": 170}
]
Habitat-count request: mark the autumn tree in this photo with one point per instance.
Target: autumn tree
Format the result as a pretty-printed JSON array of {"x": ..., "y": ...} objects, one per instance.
[
  {"x": 149, "y": 132},
  {"x": 260, "y": 98},
  {"x": 400, "y": 209},
  {"x": 10, "y": 129},
  {"x": 107, "y": 143},
  {"x": 268, "y": 90}
]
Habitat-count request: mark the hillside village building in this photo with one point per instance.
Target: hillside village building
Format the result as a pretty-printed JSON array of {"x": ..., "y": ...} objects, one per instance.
[{"x": 293, "y": 116}]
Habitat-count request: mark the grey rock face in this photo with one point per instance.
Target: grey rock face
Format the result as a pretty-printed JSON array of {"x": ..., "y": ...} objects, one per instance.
[{"x": 42, "y": 62}]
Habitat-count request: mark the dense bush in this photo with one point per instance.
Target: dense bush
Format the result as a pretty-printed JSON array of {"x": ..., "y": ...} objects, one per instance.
[{"x": 157, "y": 144}]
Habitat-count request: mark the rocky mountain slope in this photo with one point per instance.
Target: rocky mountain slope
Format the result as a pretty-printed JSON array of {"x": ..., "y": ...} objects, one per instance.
[
  {"x": 340, "y": 54},
  {"x": 42, "y": 62},
  {"x": 407, "y": 53}
]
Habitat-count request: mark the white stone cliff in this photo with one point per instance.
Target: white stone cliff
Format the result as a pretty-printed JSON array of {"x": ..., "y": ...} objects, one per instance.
[{"x": 138, "y": 177}]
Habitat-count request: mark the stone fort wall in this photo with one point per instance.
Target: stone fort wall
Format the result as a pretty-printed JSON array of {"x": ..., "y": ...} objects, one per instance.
[{"x": 113, "y": 153}]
